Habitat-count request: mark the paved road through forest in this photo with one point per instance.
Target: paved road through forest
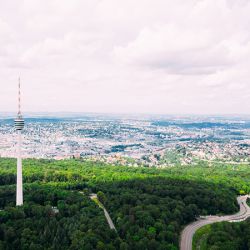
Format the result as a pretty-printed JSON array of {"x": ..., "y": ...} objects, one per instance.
[
  {"x": 108, "y": 218},
  {"x": 189, "y": 231}
]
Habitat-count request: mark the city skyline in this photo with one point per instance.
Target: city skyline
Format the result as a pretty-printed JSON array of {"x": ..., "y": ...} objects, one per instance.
[
  {"x": 100, "y": 137},
  {"x": 106, "y": 56}
]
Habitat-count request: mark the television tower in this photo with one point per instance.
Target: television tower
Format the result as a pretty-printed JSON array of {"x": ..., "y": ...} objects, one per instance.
[{"x": 19, "y": 125}]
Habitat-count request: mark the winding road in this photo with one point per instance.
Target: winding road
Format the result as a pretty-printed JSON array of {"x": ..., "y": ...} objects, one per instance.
[{"x": 189, "y": 231}]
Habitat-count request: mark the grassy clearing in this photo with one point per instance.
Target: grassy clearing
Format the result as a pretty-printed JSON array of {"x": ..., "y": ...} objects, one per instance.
[{"x": 200, "y": 238}]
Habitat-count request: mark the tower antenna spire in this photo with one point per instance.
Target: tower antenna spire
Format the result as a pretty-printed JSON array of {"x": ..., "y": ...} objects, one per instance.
[{"x": 19, "y": 97}]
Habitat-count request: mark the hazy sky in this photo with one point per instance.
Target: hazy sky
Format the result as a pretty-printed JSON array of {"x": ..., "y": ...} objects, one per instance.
[{"x": 153, "y": 56}]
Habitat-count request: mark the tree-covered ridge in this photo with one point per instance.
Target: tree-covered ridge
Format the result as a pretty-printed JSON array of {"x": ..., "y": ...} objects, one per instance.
[
  {"x": 148, "y": 206},
  {"x": 89, "y": 173}
]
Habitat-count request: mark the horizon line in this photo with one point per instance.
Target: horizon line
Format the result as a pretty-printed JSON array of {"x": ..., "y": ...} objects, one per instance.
[{"x": 120, "y": 113}]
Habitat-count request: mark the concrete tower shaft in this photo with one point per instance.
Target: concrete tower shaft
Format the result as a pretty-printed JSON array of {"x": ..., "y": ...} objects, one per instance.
[{"x": 19, "y": 125}]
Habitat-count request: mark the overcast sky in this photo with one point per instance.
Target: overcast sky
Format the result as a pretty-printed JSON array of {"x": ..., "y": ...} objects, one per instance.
[{"x": 128, "y": 56}]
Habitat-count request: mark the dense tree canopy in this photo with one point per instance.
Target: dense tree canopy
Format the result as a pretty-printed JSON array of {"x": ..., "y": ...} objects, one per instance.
[
  {"x": 53, "y": 218},
  {"x": 148, "y": 206},
  {"x": 224, "y": 236}
]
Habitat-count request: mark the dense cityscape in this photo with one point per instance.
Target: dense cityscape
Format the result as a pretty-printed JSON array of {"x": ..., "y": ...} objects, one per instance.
[{"x": 143, "y": 140}]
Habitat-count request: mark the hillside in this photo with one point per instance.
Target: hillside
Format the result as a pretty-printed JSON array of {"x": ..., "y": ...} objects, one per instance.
[{"x": 149, "y": 207}]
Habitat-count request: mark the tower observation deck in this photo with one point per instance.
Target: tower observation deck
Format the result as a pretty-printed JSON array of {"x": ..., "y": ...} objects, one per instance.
[{"x": 19, "y": 121}]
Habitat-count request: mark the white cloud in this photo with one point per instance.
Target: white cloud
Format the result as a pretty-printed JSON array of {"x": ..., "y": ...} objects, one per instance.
[
  {"x": 176, "y": 50},
  {"x": 158, "y": 56}
]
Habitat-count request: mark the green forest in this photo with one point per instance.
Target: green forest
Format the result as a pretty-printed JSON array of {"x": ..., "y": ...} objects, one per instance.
[
  {"x": 224, "y": 236},
  {"x": 148, "y": 206}
]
